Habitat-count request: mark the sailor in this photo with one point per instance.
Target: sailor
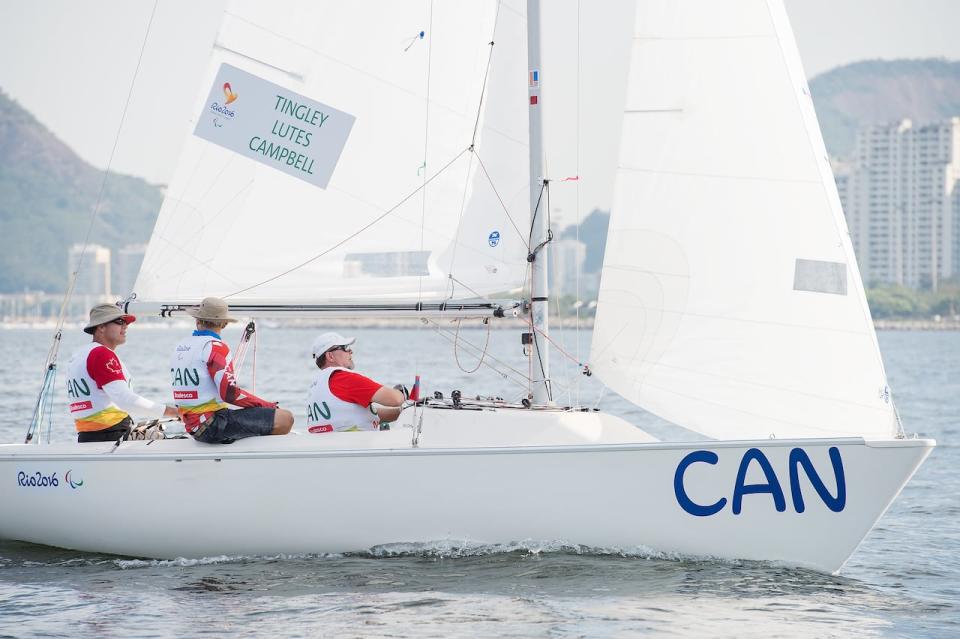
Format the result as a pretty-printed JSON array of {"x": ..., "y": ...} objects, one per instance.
[
  {"x": 345, "y": 401},
  {"x": 98, "y": 384},
  {"x": 204, "y": 385}
]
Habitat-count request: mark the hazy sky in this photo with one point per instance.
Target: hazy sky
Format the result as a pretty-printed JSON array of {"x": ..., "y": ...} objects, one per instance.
[{"x": 71, "y": 62}]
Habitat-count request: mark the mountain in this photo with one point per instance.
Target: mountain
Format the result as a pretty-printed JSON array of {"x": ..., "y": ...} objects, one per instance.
[
  {"x": 593, "y": 233},
  {"x": 47, "y": 195},
  {"x": 874, "y": 91},
  {"x": 846, "y": 98}
]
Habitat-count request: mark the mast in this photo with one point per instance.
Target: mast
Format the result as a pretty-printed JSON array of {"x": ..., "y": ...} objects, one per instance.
[{"x": 539, "y": 306}]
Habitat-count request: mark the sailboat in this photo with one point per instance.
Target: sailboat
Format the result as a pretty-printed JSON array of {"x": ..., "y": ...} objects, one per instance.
[{"x": 386, "y": 159}]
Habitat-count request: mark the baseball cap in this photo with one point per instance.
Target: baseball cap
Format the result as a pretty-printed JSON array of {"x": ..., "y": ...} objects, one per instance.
[{"x": 326, "y": 341}]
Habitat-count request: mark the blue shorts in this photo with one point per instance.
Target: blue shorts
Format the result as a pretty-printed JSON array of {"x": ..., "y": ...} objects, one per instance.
[{"x": 230, "y": 425}]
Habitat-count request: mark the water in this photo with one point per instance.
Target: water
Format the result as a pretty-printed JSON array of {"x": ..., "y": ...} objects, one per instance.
[{"x": 903, "y": 581}]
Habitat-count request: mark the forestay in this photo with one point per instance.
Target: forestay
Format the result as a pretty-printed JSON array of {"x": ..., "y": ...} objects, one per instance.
[
  {"x": 730, "y": 302},
  {"x": 409, "y": 212}
]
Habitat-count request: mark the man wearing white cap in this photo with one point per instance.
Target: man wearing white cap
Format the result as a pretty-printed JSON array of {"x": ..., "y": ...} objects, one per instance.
[
  {"x": 204, "y": 385},
  {"x": 344, "y": 401},
  {"x": 98, "y": 384}
]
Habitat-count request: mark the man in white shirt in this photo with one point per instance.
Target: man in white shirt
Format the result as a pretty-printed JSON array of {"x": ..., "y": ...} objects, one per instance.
[
  {"x": 98, "y": 385},
  {"x": 342, "y": 400}
]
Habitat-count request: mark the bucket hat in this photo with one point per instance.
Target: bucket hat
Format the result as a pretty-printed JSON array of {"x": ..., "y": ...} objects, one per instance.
[
  {"x": 212, "y": 309},
  {"x": 103, "y": 313}
]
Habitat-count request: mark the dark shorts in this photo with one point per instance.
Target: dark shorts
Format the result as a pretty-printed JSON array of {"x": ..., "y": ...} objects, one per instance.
[
  {"x": 230, "y": 425},
  {"x": 115, "y": 433}
]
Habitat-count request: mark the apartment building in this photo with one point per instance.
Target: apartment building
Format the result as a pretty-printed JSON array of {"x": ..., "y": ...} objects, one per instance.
[{"x": 901, "y": 199}]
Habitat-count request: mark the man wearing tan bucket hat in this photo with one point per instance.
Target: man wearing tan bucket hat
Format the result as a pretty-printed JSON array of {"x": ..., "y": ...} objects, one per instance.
[
  {"x": 98, "y": 384},
  {"x": 204, "y": 385}
]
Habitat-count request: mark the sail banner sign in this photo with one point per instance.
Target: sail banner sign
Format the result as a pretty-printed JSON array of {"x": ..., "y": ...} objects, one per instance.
[{"x": 274, "y": 126}]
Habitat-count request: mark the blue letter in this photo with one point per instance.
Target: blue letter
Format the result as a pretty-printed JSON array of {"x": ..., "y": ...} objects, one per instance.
[
  {"x": 772, "y": 486},
  {"x": 685, "y": 502},
  {"x": 798, "y": 457}
]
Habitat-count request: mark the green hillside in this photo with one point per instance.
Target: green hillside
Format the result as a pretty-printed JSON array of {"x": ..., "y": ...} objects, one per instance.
[
  {"x": 883, "y": 91},
  {"x": 47, "y": 194}
]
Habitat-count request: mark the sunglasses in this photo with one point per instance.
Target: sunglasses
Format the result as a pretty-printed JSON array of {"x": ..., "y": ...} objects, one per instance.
[
  {"x": 119, "y": 321},
  {"x": 345, "y": 349}
]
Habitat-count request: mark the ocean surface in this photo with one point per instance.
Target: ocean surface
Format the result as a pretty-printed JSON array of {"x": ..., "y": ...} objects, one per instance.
[{"x": 903, "y": 581}]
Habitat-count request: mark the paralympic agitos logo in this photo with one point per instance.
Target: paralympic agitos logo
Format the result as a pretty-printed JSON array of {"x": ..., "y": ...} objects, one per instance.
[{"x": 72, "y": 480}]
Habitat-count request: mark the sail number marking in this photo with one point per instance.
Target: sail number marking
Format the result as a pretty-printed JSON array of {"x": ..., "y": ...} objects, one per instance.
[{"x": 771, "y": 485}]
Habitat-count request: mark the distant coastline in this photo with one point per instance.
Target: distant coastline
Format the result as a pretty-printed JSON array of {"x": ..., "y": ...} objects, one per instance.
[
  {"x": 566, "y": 323},
  {"x": 926, "y": 324}
]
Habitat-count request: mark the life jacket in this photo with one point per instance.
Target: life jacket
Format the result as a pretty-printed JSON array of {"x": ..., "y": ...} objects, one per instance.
[
  {"x": 90, "y": 406},
  {"x": 194, "y": 392},
  {"x": 327, "y": 413}
]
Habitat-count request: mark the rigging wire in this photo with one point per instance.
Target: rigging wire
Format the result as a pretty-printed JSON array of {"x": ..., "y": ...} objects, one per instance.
[
  {"x": 456, "y": 355},
  {"x": 473, "y": 142},
  {"x": 578, "y": 280},
  {"x": 253, "y": 372},
  {"x": 500, "y": 199},
  {"x": 562, "y": 351},
  {"x": 486, "y": 74},
  {"x": 464, "y": 285},
  {"x": 533, "y": 218},
  {"x": 528, "y": 272},
  {"x": 456, "y": 233},
  {"x": 562, "y": 338},
  {"x": 50, "y": 367},
  {"x": 603, "y": 391},
  {"x": 240, "y": 353},
  {"x": 531, "y": 257},
  {"x": 423, "y": 199},
  {"x": 556, "y": 297},
  {"x": 521, "y": 380}
]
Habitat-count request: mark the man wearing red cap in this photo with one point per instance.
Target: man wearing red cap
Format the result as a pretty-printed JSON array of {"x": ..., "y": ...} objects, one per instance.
[{"x": 98, "y": 384}]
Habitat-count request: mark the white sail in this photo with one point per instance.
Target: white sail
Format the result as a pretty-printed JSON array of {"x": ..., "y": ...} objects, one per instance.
[
  {"x": 409, "y": 213},
  {"x": 730, "y": 301}
]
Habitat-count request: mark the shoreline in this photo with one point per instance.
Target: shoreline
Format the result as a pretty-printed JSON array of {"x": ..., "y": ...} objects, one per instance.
[
  {"x": 928, "y": 324},
  {"x": 925, "y": 324}
]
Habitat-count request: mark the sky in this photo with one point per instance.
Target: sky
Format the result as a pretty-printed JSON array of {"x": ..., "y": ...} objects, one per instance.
[{"x": 71, "y": 63}]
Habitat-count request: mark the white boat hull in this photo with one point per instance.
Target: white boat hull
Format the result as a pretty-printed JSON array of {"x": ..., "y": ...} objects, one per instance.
[{"x": 600, "y": 483}]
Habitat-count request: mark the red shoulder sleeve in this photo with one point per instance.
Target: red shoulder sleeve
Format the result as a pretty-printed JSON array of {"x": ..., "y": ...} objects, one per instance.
[
  {"x": 353, "y": 387},
  {"x": 223, "y": 377},
  {"x": 104, "y": 366}
]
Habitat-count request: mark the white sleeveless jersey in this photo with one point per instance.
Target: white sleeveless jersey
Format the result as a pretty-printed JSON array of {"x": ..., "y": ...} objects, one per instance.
[
  {"x": 90, "y": 406},
  {"x": 326, "y": 412},
  {"x": 194, "y": 391}
]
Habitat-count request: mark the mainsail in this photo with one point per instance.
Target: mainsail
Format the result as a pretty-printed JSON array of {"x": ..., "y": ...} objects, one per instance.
[
  {"x": 730, "y": 300},
  {"x": 428, "y": 188}
]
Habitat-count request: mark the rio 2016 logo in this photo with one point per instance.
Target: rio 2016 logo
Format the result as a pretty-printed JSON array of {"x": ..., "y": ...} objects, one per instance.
[
  {"x": 228, "y": 98},
  {"x": 228, "y": 94},
  {"x": 38, "y": 479}
]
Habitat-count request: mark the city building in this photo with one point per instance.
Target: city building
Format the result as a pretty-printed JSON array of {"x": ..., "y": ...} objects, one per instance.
[
  {"x": 566, "y": 261},
  {"x": 902, "y": 203},
  {"x": 126, "y": 265},
  {"x": 93, "y": 273}
]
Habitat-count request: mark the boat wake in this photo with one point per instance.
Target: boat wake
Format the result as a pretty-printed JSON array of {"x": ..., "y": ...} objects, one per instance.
[
  {"x": 454, "y": 549},
  {"x": 440, "y": 549},
  {"x": 183, "y": 562}
]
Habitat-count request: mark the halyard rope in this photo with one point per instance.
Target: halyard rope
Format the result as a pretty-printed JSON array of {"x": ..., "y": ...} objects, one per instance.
[{"x": 50, "y": 367}]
